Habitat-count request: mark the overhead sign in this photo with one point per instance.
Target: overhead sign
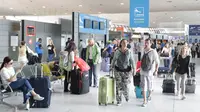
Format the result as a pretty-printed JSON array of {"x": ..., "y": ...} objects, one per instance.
[
  {"x": 194, "y": 30},
  {"x": 139, "y": 13}
]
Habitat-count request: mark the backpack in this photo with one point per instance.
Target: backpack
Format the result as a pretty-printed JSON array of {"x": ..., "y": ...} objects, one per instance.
[
  {"x": 146, "y": 63},
  {"x": 123, "y": 60}
]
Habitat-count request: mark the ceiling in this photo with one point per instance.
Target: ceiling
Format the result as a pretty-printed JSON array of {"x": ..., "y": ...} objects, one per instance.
[{"x": 162, "y": 12}]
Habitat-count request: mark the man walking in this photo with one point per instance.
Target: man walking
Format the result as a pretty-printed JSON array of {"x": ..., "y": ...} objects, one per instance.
[{"x": 149, "y": 67}]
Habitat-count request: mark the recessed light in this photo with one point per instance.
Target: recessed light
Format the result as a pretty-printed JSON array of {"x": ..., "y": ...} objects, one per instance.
[
  {"x": 11, "y": 8},
  {"x": 169, "y": 1},
  {"x": 65, "y": 13},
  {"x": 171, "y": 17},
  {"x": 80, "y": 5},
  {"x": 121, "y": 3},
  {"x": 43, "y": 7},
  {"x": 154, "y": 22},
  {"x": 35, "y": 14},
  {"x": 99, "y": 12}
]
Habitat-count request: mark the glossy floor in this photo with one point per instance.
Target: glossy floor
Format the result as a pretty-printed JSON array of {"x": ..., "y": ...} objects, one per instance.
[{"x": 62, "y": 102}]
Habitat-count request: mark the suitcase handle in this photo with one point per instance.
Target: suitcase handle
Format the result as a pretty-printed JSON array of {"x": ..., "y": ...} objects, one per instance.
[
  {"x": 111, "y": 73},
  {"x": 35, "y": 67}
]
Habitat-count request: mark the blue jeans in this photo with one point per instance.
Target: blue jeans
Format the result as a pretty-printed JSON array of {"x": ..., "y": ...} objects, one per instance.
[
  {"x": 92, "y": 71},
  {"x": 50, "y": 57},
  {"x": 166, "y": 63},
  {"x": 23, "y": 85}
]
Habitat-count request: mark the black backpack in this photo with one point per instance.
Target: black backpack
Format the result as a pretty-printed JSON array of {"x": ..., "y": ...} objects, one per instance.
[{"x": 146, "y": 63}]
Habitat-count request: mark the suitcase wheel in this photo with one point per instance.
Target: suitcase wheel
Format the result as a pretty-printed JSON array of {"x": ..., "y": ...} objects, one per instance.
[
  {"x": 106, "y": 104},
  {"x": 113, "y": 102},
  {"x": 99, "y": 103}
]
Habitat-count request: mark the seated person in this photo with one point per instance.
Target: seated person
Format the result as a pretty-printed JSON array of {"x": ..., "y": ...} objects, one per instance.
[{"x": 8, "y": 77}]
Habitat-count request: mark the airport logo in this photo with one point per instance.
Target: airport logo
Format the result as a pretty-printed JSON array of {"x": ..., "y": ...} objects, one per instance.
[{"x": 139, "y": 12}]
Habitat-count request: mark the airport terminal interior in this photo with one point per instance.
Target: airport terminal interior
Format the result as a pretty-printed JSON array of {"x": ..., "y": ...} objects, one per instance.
[{"x": 79, "y": 55}]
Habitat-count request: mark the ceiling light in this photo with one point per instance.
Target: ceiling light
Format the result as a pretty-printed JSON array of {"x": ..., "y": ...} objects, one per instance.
[
  {"x": 65, "y": 13},
  {"x": 154, "y": 22},
  {"x": 171, "y": 17},
  {"x": 35, "y": 14},
  {"x": 121, "y": 3},
  {"x": 80, "y": 5},
  {"x": 99, "y": 12},
  {"x": 43, "y": 7},
  {"x": 169, "y": 1},
  {"x": 11, "y": 8}
]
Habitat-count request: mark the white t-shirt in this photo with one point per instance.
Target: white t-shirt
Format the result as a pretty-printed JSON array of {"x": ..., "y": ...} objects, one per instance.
[
  {"x": 83, "y": 45},
  {"x": 153, "y": 55},
  {"x": 7, "y": 73},
  {"x": 90, "y": 53}
]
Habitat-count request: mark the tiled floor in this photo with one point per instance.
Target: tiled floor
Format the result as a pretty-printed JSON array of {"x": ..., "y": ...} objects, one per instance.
[{"x": 62, "y": 102}]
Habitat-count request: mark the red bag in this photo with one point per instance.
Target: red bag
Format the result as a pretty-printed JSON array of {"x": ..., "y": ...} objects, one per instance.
[
  {"x": 83, "y": 66},
  {"x": 138, "y": 66}
]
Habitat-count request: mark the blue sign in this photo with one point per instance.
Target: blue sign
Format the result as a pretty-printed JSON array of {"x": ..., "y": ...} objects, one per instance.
[
  {"x": 139, "y": 13},
  {"x": 89, "y": 29},
  {"x": 194, "y": 30}
]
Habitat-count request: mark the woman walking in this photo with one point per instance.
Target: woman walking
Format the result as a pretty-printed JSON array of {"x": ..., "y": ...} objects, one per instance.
[
  {"x": 182, "y": 60},
  {"x": 123, "y": 64}
]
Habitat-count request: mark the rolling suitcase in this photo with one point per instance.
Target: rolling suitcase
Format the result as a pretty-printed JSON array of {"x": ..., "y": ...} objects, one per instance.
[
  {"x": 42, "y": 86},
  {"x": 162, "y": 71},
  {"x": 79, "y": 82},
  {"x": 190, "y": 85},
  {"x": 106, "y": 94},
  {"x": 168, "y": 84}
]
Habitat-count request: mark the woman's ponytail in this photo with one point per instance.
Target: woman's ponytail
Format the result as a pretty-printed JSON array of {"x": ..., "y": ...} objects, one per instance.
[
  {"x": 5, "y": 60},
  {"x": 2, "y": 65}
]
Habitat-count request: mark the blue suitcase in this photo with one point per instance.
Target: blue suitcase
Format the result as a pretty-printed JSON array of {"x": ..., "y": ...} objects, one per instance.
[{"x": 42, "y": 86}]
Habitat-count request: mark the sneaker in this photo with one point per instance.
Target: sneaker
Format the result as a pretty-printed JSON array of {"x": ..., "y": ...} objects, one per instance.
[
  {"x": 38, "y": 97},
  {"x": 177, "y": 93},
  {"x": 119, "y": 103},
  {"x": 144, "y": 104},
  {"x": 149, "y": 99},
  {"x": 27, "y": 106},
  {"x": 183, "y": 98},
  {"x": 127, "y": 99}
]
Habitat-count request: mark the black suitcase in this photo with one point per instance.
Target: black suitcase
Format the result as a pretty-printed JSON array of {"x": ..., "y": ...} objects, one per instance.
[
  {"x": 136, "y": 79},
  {"x": 42, "y": 86},
  {"x": 79, "y": 82},
  {"x": 190, "y": 85},
  {"x": 168, "y": 84}
]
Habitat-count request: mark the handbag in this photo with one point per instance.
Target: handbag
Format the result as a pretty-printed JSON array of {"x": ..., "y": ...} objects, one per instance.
[{"x": 175, "y": 64}]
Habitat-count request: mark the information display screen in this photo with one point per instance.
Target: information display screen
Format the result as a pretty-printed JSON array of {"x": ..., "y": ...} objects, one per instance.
[
  {"x": 102, "y": 25},
  {"x": 87, "y": 23},
  {"x": 95, "y": 24}
]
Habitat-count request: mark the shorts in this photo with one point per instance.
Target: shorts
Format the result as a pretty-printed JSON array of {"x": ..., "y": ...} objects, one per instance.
[
  {"x": 23, "y": 60},
  {"x": 146, "y": 82}
]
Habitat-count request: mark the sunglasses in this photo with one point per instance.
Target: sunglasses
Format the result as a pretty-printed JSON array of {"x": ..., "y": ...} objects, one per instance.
[{"x": 10, "y": 63}]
